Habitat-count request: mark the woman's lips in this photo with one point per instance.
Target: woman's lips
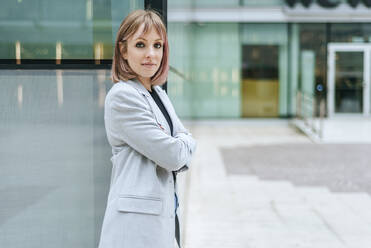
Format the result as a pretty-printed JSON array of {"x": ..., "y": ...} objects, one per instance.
[{"x": 149, "y": 65}]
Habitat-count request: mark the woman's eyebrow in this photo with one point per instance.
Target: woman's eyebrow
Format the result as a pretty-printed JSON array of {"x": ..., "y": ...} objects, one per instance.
[{"x": 141, "y": 38}]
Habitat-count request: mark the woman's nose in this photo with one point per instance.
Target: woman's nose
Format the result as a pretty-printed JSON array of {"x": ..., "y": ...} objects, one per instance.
[{"x": 150, "y": 52}]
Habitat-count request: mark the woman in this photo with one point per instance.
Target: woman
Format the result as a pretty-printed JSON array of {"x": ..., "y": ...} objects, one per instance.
[{"x": 149, "y": 143}]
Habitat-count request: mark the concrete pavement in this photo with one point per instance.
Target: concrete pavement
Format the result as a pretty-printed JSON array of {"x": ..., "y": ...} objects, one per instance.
[{"x": 224, "y": 209}]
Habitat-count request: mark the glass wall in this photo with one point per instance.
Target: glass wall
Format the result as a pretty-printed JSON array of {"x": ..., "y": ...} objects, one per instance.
[
  {"x": 349, "y": 80},
  {"x": 180, "y": 86},
  {"x": 351, "y": 70},
  {"x": 264, "y": 89},
  {"x": 54, "y": 157},
  {"x": 53, "y": 29},
  {"x": 216, "y": 73},
  {"x": 260, "y": 80},
  {"x": 208, "y": 56},
  {"x": 213, "y": 56},
  {"x": 313, "y": 69},
  {"x": 350, "y": 32},
  {"x": 55, "y": 165},
  {"x": 313, "y": 49},
  {"x": 312, "y": 61}
]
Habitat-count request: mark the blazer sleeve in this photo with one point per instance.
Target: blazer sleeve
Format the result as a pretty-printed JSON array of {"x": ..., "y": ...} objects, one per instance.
[
  {"x": 180, "y": 129},
  {"x": 134, "y": 124},
  {"x": 179, "y": 124}
]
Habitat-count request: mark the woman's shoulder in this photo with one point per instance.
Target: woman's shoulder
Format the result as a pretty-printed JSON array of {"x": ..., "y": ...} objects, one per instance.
[
  {"x": 124, "y": 91},
  {"x": 122, "y": 88}
]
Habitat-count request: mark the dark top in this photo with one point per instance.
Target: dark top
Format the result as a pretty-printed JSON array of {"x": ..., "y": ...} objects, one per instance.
[
  {"x": 167, "y": 117},
  {"x": 162, "y": 108}
]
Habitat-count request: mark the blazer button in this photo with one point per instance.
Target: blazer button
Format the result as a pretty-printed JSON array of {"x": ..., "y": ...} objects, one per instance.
[
  {"x": 170, "y": 181},
  {"x": 172, "y": 216}
]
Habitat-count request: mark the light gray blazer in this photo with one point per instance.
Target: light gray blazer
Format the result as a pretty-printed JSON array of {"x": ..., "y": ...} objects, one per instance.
[{"x": 140, "y": 206}]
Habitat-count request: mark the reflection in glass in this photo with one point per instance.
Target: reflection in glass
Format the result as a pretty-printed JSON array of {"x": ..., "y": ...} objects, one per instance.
[
  {"x": 349, "y": 32},
  {"x": 349, "y": 82},
  {"x": 61, "y": 29},
  {"x": 54, "y": 158},
  {"x": 313, "y": 38}
]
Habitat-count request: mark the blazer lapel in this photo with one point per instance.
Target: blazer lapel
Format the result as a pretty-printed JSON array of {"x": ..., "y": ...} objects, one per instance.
[
  {"x": 170, "y": 110},
  {"x": 137, "y": 85},
  {"x": 155, "y": 109}
]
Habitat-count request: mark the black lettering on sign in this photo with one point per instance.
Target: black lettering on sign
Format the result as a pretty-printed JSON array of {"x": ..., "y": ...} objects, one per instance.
[
  {"x": 367, "y": 3},
  {"x": 328, "y": 3},
  {"x": 290, "y": 3},
  {"x": 353, "y": 3},
  {"x": 305, "y": 3}
]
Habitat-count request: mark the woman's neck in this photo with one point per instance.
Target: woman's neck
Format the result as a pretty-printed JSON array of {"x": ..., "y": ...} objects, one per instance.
[{"x": 146, "y": 83}]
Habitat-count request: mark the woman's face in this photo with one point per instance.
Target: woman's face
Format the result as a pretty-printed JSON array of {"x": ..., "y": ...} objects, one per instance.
[{"x": 144, "y": 53}]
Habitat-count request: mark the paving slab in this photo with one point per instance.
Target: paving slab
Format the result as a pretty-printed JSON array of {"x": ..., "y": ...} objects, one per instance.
[{"x": 257, "y": 206}]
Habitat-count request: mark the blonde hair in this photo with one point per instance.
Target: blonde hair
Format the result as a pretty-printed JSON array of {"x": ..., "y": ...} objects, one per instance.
[{"x": 120, "y": 67}]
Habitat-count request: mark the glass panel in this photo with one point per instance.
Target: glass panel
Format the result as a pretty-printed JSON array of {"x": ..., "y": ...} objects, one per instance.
[
  {"x": 54, "y": 158},
  {"x": 349, "y": 82},
  {"x": 350, "y": 32},
  {"x": 56, "y": 29},
  {"x": 260, "y": 80},
  {"x": 274, "y": 37},
  {"x": 204, "y": 78},
  {"x": 313, "y": 53}
]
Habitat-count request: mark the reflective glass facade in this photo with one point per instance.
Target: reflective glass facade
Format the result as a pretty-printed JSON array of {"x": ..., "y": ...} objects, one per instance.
[
  {"x": 54, "y": 159},
  {"x": 254, "y": 69},
  {"x": 265, "y": 79},
  {"x": 350, "y": 66},
  {"x": 348, "y": 82},
  {"x": 54, "y": 156},
  {"x": 58, "y": 30}
]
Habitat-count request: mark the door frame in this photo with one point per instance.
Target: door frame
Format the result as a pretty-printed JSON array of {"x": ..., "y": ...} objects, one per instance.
[{"x": 332, "y": 48}]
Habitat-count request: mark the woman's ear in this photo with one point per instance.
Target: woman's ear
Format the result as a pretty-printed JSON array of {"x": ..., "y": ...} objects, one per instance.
[{"x": 123, "y": 50}]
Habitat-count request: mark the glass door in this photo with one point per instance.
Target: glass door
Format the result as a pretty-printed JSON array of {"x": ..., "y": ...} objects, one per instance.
[
  {"x": 349, "y": 82},
  {"x": 349, "y": 79}
]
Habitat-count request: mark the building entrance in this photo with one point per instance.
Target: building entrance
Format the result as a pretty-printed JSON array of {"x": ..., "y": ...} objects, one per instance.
[{"x": 349, "y": 76}]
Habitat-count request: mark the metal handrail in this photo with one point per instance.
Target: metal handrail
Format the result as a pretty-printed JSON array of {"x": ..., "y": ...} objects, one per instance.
[
  {"x": 177, "y": 72},
  {"x": 306, "y": 111}
]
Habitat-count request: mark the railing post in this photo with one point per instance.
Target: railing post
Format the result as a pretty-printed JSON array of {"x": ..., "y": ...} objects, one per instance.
[
  {"x": 314, "y": 114},
  {"x": 298, "y": 105},
  {"x": 322, "y": 111}
]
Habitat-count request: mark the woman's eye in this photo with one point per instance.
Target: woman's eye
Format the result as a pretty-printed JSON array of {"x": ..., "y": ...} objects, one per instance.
[
  {"x": 139, "y": 45},
  {"x": 158, "y": 45}
]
